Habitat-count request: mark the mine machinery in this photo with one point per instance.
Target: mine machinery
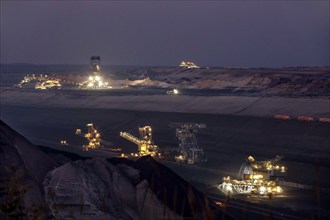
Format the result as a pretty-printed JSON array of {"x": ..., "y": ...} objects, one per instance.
[
  {"x": 256, "y": 177},
  {"x": 48, "y": 84},
  {"x": 145, "y": 143},
  {"x": 173, "y": 92},
  {"x": 268, "y": 170},
  {"x": 93, "y": 137},
  {"x": 95, "y": 79},
  {"x": 188, "y": 65},
  {"x": 95, "y": 64},
  {"x": 301, "y": 118},
  {"x": 188, "y": 151},
  {"x": 41, "y": 81}
]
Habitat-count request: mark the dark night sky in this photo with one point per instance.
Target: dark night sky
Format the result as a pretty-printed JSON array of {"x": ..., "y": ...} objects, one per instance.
[{"x": 213, "y": 33}]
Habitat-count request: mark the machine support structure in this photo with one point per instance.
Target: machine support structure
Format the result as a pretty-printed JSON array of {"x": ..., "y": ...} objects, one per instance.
[
  {"x": 188, "y": 150},
  {"x": 256, "y": 177},
  {"x": 93, "y": 137},
  {"x": 145, "y": 143}
]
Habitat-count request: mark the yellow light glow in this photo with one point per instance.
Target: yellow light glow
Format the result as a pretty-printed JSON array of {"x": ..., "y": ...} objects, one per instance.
[
  {"x": 279, "y": 189},
  {"x": 250, "y": 158},
  {"x": 257, "y": 176},
  {"x": 229, "y": 188}
]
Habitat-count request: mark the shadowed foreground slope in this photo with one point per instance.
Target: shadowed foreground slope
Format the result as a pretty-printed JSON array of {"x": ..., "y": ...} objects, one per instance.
[{"x": 93, "y": 188}]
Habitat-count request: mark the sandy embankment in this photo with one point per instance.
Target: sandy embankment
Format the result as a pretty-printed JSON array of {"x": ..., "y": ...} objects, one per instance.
[{"x": 232, "y": 105}]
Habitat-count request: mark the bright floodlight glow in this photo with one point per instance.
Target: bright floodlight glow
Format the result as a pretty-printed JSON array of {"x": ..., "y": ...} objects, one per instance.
[
  {"x": 95, "y": 81},
  {"x": 228, "y": 188},
  {"x": 279, "y": 189}
]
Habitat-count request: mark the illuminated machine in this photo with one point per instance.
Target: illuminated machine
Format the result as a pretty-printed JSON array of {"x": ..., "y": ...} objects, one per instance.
[
  {"x": 95, "y": 64},
  {"x": 257, "y": 177},
  {"x": 47, "y": 84},
  {"x": 64, "y": 142},
  {"x": 41, "y": 82},
  {"x": 95, "y": 80},
  {"x": 93, "y": 137},
  {"x": 188, "y": 65},
  {"x": 189, "y": 151},
  {"x": 145, "y": 143},
  {"x": 173, "y": 92}
]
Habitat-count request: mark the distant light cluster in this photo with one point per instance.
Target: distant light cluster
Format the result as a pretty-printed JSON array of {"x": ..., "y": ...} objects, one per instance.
[
  {"x": 173, "y": 92},
  {"x": 48, "y": 84},
  {"x": 188, "y": 65},
  {"x": 41, "y": 82},
  {"x": 95, "y": 81}
]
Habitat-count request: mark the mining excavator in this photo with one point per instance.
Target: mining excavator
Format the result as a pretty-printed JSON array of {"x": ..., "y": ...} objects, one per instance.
[
  {"x": 145, "y": 143},
  {"x": 93, "y": 137},
  {"x": 256, "y": 177}
]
